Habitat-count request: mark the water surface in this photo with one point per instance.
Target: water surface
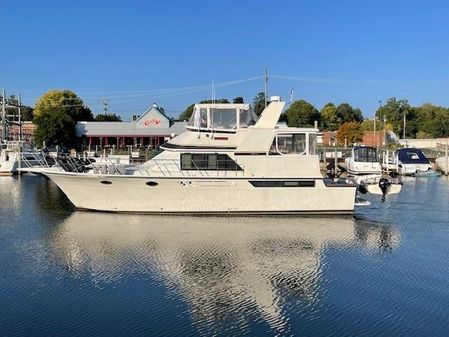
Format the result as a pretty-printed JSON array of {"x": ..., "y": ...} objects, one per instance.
[{"x": 68, "y": 273}]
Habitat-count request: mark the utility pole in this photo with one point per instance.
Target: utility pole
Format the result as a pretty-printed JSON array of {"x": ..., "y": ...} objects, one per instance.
[
  {"x": 105, "y": 106},
  {"x": 404, "y": 125},
  {"x": 4, "y": 134},
  {"x": 266, "y": 86},
  {"x": 375, "y": 122}
]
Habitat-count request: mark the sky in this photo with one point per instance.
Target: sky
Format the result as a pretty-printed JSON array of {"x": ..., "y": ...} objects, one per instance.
[{"x": 174, "y": 52}]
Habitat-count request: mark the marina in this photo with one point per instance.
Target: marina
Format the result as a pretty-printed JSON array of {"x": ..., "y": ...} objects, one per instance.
[
  {"x": 382, "y": 272},
  {"x": 214, "y": 168}
]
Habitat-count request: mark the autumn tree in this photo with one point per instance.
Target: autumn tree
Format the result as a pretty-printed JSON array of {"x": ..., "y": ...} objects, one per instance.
[
  {"x": 56, "y": 114},
  {"x": 302, "y": 113},
  {"x": 349, "y": 133}
]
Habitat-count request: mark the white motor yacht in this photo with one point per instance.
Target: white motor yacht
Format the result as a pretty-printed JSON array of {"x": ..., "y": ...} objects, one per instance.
[
  {"x": 364, "y": 160},
  {"x": 227, "y": 162}
]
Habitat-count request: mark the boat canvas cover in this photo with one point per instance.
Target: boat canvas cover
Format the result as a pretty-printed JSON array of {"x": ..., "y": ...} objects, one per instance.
[
  {"x": 412, "y": 156},
  {"x": 365, "y": 154}
]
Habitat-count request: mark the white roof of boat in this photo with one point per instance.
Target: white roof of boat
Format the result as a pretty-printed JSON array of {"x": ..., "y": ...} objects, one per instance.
[
  {"x": 223, "y": 105},
  {"x": 259, "y": 140},
  {"x": 256, "y": 140}
]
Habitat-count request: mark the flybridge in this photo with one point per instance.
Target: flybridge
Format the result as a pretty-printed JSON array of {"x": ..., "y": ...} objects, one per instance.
[{"x": 221, "y": 117}]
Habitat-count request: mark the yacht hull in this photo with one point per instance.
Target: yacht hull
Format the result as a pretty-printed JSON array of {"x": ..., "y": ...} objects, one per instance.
[{"x": 170, "y": 195}]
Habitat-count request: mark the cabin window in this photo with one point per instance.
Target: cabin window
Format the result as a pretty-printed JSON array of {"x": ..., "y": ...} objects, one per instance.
[
  {"x": 294, "y": 143},
  {"x": 223, "y": 118},
  {"x": 412, "y": 155},
  {"x": 312, "y": 144},
  {"x": 247, "y": 118},
  {"x": 214, "y": 161},
  {"x": 365, "y": 154}
]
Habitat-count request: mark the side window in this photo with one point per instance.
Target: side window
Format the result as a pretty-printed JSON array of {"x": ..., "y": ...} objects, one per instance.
[
  {"x": 201, "y": 161},
  {"x": 291, "y": 143},
  {"x": 312, "y": 144}
]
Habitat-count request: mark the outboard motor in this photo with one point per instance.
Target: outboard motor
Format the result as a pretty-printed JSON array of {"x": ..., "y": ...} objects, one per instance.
[{"x": 384, "y": 184}]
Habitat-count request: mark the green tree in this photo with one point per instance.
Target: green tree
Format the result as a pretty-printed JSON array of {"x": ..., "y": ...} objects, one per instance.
[
  {"x": 56, "y": 114},
  {"x": 108, "y": 118},
  {"x": 259, "y": 103},
  {"x": 368, "y": 125},
  {"x": 346, "y": 113},
  {"x": 238, "y": 100},
  {"x": 301, "y": 113},
  {"x": 432, "y": 121},
  {"x": 54, "y": 128},
  {"x": 393, "y": 112},
  {"x": 185, "y": 115},
  {"x": 349, "y": 133},
  {"x": 328, "y": 117}
]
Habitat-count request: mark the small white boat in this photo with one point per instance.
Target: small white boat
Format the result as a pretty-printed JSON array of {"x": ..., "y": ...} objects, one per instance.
[
  {"x": 364, "y": 160},
  {"x": 442, "y": 164},
  {"x": 15, "y": 155},
  {"x": 412, "y": 162}
]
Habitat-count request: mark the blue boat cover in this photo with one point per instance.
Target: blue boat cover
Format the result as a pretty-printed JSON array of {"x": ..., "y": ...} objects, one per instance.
[{"x": 412, "y": 156}]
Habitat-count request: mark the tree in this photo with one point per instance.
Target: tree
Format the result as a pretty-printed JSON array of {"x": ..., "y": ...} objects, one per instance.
[
  {"x": 393, "y": 112},
  {"x": 189, "y": 110},
  {"x": 368, "y": 125},
  {"x": 431, "y": 121},
  {"x": 238, "y": 100},
  {"x": 56, "y": 114},
  {"x": 349, "y": 133},
  {"x": 346, "y": 113},
  {"x": 259, "y": 103},
  {"x": 302, "y": 113},
  {"x": 108, "y": 118},
  {"x": 328, "y": 117},
  {"x": 54, "y": 128}
]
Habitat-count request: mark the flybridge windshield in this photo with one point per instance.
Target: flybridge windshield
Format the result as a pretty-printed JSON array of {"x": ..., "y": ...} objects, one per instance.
[{"x": 222, "y": 116}]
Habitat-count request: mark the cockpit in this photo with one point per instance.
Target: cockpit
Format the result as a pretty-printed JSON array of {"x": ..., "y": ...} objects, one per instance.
[{"x": 225, "y": 117}]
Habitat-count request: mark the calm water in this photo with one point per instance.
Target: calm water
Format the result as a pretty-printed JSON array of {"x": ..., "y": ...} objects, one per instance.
[{"x": 68, "y": 273}]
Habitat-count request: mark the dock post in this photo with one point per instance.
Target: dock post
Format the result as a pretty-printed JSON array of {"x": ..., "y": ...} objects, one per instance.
[
  {"x": 335, "y": 161},
  {"x": 446, "y": 159}
]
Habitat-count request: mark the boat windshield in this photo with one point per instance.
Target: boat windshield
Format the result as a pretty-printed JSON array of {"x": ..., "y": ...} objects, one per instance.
[
  {"x": 365, "y": 155},
  {"x": 222, "y": 116}
]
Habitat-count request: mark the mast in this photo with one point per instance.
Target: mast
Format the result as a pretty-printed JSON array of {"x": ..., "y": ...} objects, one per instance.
[
  {"x": 4, "y": 134},
  {"x": 20, "y": 117}
]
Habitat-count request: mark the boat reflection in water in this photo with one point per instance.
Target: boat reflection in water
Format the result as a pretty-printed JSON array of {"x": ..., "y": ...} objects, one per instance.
[{"x": 224, "y": 268}]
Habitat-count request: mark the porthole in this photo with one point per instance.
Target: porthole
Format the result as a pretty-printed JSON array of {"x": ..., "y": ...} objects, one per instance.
[
  {"x": 106, "y": 182},
  {"x": 151, "y": 183}
]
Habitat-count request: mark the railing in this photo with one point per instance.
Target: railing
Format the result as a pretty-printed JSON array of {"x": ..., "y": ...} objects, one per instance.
[{"x": 30, "y": 159}]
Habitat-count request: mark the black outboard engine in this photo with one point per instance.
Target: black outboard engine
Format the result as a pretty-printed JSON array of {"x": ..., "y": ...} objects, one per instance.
[{"x": 384, "y": 184}]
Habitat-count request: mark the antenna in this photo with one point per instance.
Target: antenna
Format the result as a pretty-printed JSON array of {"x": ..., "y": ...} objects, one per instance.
[{"x": 266, "y": 86}]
